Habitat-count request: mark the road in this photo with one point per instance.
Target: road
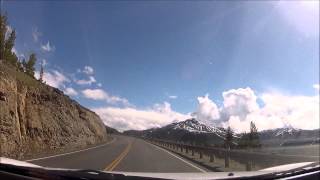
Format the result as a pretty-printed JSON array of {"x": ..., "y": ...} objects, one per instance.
[{"x": 121, "y": 154}]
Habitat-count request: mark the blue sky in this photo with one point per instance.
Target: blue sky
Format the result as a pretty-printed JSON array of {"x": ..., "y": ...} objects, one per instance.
[{"x": 145, "y": 52}]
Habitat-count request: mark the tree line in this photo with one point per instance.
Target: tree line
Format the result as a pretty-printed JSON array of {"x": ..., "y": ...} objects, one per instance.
[
  {"x": 247, "y": 140},
  {"x": 7, "y": 42}
]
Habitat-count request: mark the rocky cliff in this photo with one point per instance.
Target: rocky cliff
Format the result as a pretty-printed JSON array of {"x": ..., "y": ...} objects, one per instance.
[{"x": 38, "y": 119}]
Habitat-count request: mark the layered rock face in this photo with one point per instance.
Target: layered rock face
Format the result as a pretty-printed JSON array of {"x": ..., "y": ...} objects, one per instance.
[{"x": 38, "y": 119}]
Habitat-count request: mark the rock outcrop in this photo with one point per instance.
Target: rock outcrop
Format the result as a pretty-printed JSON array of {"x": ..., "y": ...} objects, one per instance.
[{"x": 38, "y": 119}]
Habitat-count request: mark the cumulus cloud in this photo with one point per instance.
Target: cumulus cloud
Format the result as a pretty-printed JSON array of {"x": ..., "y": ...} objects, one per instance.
[
  {"x": 54, "y": 78},
  {"x": 207, "y": 110},
  {"x": 86, "y": 81},
  {"x": 238, "y": 102},
  {"x": 139, "y": 119},
  {"x": 100, "y": 94},
  {"x": 240, "y": 107},
  {"x": 70, "y": 91},
  {"x": 47, "y": 47},
  {"x": 316, "y": 86}
]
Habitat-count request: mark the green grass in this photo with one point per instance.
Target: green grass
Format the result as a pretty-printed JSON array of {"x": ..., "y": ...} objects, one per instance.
[{"x": 19, "y": 76}]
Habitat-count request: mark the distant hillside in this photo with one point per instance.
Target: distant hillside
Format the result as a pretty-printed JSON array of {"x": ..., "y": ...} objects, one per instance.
[
  {"x": 37, "y": 118},
  {"x": 188, "y": 131},
  {"x": 289, "y": 136},
  {"x": 111, "y": 130},
  {"x": 193, "y": 132}
]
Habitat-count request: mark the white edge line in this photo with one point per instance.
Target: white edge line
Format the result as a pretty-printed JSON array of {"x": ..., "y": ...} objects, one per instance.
[
  {"x": 30, "y": 160},
  {"x": 194, "y": 166}
]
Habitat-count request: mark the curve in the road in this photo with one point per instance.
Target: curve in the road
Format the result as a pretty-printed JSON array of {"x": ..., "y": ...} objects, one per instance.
[{"x": 126, "y": 154}]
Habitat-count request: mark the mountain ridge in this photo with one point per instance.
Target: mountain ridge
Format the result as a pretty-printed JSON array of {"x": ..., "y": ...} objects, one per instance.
[{"x": 196, "y": 132}]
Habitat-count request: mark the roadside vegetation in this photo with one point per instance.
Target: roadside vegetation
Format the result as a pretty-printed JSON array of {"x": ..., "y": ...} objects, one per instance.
[
  {"x": 7, "y": 54},
  {"x": 251, "y": 139}
]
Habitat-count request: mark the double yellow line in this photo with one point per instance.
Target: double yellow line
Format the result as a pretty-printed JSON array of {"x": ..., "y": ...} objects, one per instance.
[{"x": 116, "y": 161}]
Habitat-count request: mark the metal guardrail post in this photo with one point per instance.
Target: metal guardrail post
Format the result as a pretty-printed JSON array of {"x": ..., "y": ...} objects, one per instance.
[
  {"x": 226, "y": 159},
  {"x": 248, "y": 166},
  {"x": 200, "y": 154},
  {"x": 192, "y": 152},
  {"x": 187, "y": 151},
  {"x": 181, "y": 149},
  {"x": 211, "y": 157}
]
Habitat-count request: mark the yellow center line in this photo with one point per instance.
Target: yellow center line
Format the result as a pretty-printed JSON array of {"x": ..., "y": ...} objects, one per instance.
[{"x": 116, "y": 161}]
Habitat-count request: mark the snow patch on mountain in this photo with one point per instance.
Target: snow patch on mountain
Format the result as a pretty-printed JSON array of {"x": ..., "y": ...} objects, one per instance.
[
  {"x": 194, "y": 126},
  {"x": 284, "y": 131}
]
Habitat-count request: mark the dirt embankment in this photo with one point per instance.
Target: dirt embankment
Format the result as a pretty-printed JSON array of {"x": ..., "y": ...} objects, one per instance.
[{"x": 36, "y": 118}]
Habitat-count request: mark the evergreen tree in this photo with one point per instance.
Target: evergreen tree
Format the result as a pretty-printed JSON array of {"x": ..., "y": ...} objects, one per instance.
[
  {"x": 244, "y": 140},
  {"x": 228, "y": 138},
  {"x": 251, "y": 139},
  {"x": 253, "y": 136},
  {"x": 41, "y": 73},
  {"x": 24, "y": 65},
  {"x": 29, "y": 66},
  {"x": 20, "y": 65},
  {"x": 7, "y": 42},
  {"x": 3, "y": 31}
]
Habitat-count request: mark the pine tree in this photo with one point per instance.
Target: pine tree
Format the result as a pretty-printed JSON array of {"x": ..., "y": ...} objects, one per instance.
[
  {"x": 29, "y": 66},
  {"x": 24, "y": 65},
  {"x": 7, "y": 43},
  {"x": 41, "y": 73},
  {"x": 228, "y": 138},
  {"x": 253, "y": 136},
  {"x": 3, "y": 30}
]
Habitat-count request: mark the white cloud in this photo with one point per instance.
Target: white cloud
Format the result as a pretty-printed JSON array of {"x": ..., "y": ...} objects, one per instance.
[
  {"x": 173, "y": 97},
  {"x": 36, "y": 34},
  {"x": 44, "y": 62},
  {"x": 316, "y": 86},
  {"x": 8, "y": 32},
  {"x": 47, "y": 47},
  {"x": 301, "y": 15},
  {"x": 207, "y": 110},
  {"x": 99, "y": 84},
  {"x": 139, "y": 119},
  {"x": 99, "y": 94},
  {"x": 88, "y": 70},
  {"x": 86, "y": 81},
  {"x": 238, "y": 102},
  {"x": 70, "y": 91},
  {"x": 15, "y": 51},
  {"x": 240, "y": 107},
  {"x": 54, "y": 78}
]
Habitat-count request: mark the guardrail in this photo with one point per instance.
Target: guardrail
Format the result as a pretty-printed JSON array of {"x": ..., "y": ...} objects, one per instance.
[{"x": 249, "y": 158}]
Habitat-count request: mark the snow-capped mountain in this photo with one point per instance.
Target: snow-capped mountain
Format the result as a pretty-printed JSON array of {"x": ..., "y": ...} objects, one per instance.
[
  {"x": 285, "y": 132},
  {"x": 289, "y": 135},
  {"x": 190, "y": 131},
  {"x": 192, "y": 125},
  {"x": 195, "y": 132}
]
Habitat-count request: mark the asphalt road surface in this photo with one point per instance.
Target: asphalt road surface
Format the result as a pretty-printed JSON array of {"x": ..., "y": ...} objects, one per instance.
[{"x": 121, "y": 154}]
